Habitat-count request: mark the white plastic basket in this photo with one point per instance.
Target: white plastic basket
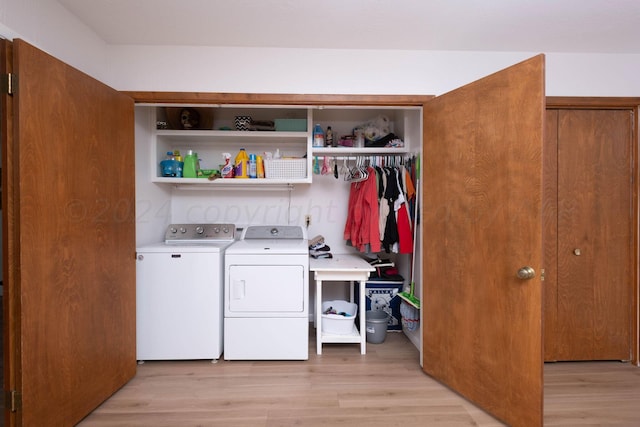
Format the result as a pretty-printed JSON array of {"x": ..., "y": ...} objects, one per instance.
[
  {"x": 336, "y": 323},
  {"x": 285, "y": 168}
]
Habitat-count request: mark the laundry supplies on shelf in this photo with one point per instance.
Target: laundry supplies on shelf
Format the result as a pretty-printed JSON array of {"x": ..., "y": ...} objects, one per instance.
[
  {"x": 190, "y": 168},
  {"x": 318, "y": 136},
  {"x": 171, "y": 166},
  {"x": 241, "y": 164}
]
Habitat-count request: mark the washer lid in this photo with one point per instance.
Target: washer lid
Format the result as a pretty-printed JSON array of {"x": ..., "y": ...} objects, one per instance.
[
  {"x": 270, "y": 247},
  {"x": 172, "y": 248}
]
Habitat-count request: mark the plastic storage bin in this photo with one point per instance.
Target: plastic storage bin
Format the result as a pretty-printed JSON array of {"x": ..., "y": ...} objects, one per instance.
[
  {"x": 291, "y": 125},
  {"x": 285, "y": 168},
  {"x": 336, "y": 323},
  {"x": 383, "y": 295}
]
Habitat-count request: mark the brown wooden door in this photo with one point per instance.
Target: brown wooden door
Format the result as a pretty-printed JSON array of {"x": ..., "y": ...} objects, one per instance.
[
  {"x": 550, "y": 232},
  {"x": 592, "y": 300},
  {"x": 68, "y": 170},
  {"x": 482, "y": 326}
]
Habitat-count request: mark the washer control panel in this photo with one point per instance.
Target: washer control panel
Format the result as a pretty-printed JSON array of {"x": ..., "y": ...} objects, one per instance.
[{"x": 187, "y": 233}]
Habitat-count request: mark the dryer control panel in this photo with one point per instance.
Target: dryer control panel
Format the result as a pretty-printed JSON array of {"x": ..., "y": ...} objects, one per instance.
[{"x": 274, "y": 232}]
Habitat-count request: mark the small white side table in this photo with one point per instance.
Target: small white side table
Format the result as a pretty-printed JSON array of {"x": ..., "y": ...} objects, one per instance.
[{"x": 343, "y": 268}]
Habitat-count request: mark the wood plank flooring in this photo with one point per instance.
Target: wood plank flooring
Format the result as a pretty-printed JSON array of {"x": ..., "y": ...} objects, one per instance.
[
  {"x": 385, "y": 387},
  {"x": 591, "y": 394}
]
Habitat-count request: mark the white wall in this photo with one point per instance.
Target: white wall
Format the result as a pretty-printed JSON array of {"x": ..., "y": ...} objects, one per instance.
[
  {"x": 47, "y": 25},
  {"x": 275, "y": 70}
]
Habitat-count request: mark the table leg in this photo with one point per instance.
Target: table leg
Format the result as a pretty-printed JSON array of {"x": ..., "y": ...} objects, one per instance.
[
  {"x": 318, "y": 316},
  {"x": 352, "y": 286},
  {"x": 363, "y": 321}
]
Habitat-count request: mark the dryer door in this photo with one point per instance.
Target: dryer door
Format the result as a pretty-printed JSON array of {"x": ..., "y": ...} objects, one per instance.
[{"x": 265, "y": 290}]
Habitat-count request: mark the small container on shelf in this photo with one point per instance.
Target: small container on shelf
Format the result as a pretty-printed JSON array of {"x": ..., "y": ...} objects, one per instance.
[
  {"x": 242, "y": 122},
  {"x": 253, "y": 166},
  {"x": 260, "y": 166},
  {"x": 328, "y": 139},
  {"x": 318, "y": 136}
]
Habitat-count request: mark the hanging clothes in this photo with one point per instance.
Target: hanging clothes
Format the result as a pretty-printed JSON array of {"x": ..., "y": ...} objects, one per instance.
[
  {"x": 381, "y": 202},
  {"x": 391, "y": 194},
  {"x": 410, "y": 192},
  {"x": 383, "y": 206},
  {"x": 361, "y": 228},
  {"x": 405, "y": 236}
]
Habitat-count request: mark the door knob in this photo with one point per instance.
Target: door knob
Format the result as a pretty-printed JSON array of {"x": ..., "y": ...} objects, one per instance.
[
  {"x": 577, "y": 252},
  {"x": 526, "y": 273}
]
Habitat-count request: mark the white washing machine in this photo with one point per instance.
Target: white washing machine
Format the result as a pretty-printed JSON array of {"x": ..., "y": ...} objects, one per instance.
[
  {"x": 179, "y": 293},
  {"x": 266, "y": 310}
]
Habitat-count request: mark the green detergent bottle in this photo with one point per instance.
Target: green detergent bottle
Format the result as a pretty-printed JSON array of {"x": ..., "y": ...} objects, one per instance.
[{"x": 189, "y": 170}]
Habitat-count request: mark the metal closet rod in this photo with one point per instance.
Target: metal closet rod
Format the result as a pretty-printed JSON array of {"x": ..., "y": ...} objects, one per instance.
[{"x": 399, "y": 157}]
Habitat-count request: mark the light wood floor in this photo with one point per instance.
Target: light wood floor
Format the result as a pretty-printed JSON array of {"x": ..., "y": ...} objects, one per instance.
[{"x": 385, "y": 387}]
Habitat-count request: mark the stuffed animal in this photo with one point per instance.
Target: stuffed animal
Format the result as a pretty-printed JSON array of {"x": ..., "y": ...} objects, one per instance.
[{"x": 376, "y": 128}]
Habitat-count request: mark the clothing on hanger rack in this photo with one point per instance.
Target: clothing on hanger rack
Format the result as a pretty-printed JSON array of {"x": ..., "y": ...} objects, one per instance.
[{"x": 388, "y": 180}]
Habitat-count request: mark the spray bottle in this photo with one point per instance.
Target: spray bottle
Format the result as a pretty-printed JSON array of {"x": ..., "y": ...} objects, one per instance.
[{"x": 227, "y": 169}]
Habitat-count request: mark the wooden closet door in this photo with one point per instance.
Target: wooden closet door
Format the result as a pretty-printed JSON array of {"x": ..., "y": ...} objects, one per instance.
[
  {"x": 594, "y": 290},
  {"x": 481, "y": 223},
  {"x": 69, "y": 218},
  {"x": 550, "y": 233}
]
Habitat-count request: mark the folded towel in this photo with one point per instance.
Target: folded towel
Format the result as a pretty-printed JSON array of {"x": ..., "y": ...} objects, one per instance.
[
  {"x": 318, "y": 239},
  {"x": 317, "y": 255},
  {"x": 320, "y": 247}
]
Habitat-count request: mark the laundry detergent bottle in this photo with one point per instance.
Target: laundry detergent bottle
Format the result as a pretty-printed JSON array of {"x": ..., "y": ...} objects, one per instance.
[
  {"x": 168, "y": 165},
  {"x": 189, "y": 169},
  {"x": 241, "y": 165}
]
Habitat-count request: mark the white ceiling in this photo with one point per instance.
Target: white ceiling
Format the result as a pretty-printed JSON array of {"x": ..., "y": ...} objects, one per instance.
[{"x": 602, "y": 26}]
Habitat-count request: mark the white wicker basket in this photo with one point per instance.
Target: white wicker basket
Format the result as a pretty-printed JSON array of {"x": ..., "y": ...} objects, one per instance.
[{"x": 285, "y": 168}]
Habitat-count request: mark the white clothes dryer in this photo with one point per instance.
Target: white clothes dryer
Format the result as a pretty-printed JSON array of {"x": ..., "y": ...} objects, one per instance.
[
  {"x": 266, "y": 312},
  {"x": 179, "y": 293}
]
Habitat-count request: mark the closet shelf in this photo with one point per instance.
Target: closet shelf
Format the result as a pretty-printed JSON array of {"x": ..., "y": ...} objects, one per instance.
[
  {"x": 229, "y": 182},
  {"x": 212, "y": 144},
  {"x": 207, "y": 136}
]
